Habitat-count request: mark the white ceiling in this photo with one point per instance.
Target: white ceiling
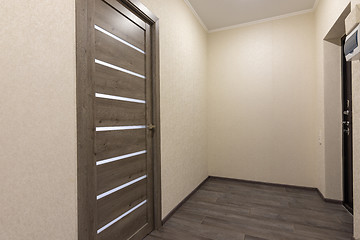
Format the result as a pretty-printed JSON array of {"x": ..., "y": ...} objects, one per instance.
[{"x": 219, "y": 14}]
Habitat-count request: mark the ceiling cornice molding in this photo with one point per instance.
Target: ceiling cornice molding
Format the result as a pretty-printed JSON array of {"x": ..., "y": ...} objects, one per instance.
[
  {"x": 266, "y": 19},
  {"x": 316, "y": 4},
  {"x": 196, "y": 15}
]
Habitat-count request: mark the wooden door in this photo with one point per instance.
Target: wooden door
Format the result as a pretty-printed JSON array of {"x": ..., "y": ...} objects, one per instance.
[
  {"x": 347, "y": 132},
  {"x": 120, "y": 94}
]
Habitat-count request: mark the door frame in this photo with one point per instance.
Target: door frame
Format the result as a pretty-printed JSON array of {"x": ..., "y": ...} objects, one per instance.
[{"x": 86, "y": 172}]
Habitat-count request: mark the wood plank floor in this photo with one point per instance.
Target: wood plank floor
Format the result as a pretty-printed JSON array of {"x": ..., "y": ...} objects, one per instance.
[{"x": 226, "y": 209}]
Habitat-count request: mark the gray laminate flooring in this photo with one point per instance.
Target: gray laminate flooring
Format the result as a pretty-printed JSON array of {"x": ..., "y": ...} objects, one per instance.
[{"x": 226, "y": 209}]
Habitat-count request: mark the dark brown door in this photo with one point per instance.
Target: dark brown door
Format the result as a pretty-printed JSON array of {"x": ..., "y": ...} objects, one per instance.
[
  {"x": 347, "y": 131},
  {"x": 123, "y": 136}
]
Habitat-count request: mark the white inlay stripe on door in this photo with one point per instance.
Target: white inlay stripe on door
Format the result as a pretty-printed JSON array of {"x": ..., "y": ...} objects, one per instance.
[
  {"x": 120, "y": 187},
  {"x": 118, "y": 39},
  {"x": 118, "y": 68},
  {"x": 112, "y": 97},
  {"x": 119, "y": 128},
  {"x": 109, "y": 160},
  {"x": 120, "y": 217}
]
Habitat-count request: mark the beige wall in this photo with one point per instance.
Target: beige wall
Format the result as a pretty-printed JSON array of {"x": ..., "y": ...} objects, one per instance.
[
  {"x": 327, "y": 13},
  {"x": 332, "y": 141},
  {"x": 241, "y": 119},
  {"x": 262, "y": 91},
  {"x": 38, "y": 141},
  {"x": 329, "y": 107},
  {"x": 356, "y": 139},
  {"x": 38, "y": 134},
  {"x": 183, "y": 58}
]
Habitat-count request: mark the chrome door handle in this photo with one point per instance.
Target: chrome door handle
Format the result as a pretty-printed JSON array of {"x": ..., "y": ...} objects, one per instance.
[{"x": 150, "y": 127}]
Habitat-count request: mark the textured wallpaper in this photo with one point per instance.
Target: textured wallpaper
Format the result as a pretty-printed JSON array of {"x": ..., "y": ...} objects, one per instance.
[
  {"x": 183, "y": 58},
  {"x": 262, "y": 91},
  {"x": 38, "y": 136},
  {"x": 356, "y": 142},
  {"x": 38, "y": 115}
]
